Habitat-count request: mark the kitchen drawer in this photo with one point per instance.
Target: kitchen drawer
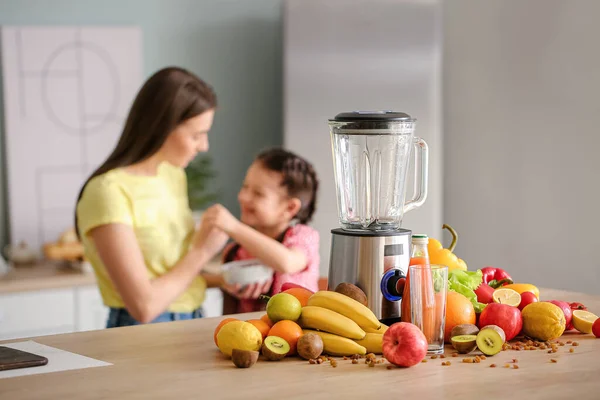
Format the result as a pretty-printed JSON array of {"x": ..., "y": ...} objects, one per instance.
[{"x": 47, "y": 310}]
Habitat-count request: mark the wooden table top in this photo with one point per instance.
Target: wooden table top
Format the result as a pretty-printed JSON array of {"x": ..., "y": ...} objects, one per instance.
[{"x": 179, "y": 360}]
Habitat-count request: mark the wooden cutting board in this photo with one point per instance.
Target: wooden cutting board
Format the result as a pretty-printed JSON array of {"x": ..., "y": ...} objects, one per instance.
[{"x": 12, "y": 358}]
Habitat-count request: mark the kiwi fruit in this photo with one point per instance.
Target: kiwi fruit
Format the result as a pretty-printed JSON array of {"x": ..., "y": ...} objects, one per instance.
[
  {"x": 244, "y": 358},
  {"x": 309, "y": 346},
  {"x": 275, "y": 348},
  {"x": 464, "y": 329},
  {"x": 490, "y": 339},
  {"x": 352, "y": 291},
  {"x": 464, "y": 344}
]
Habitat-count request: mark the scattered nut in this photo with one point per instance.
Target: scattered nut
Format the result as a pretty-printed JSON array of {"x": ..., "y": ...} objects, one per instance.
[
  {"x": 554, "y": 360},
  {"x": 433, "y": 357},
  {"x": 312, "y": 361},
  {"x": 575, "y": 344},
  {"x": 390, "y": 367},
  {"x": 492, "y": 365},
  {"x": 355, "y": 361},
  {"x": 454, "y": 354},
  {"x": 515, "y": 366},
  {"x": 424, "y": 360},
  {"x": 571, "y": 350}
]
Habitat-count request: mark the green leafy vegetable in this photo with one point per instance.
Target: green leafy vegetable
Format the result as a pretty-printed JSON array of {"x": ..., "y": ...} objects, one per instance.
[{"x": 465, "y": 283}]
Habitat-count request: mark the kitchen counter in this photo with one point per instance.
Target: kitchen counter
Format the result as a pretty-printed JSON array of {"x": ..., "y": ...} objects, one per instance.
[
  {"x": 55, "y": 275},
  {"x": 44, "y": 275},
  {"x": 180, "y": 360}
]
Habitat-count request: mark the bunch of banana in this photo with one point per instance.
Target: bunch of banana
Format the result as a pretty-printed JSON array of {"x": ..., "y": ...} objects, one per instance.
[
  {"x": 346, "y": 306},
  {"x": 346, "y": 326},
  {"x": 324, "y": 319}
]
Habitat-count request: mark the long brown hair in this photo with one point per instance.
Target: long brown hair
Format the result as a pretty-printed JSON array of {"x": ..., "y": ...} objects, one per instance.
[{"x": 168, "y": 98}]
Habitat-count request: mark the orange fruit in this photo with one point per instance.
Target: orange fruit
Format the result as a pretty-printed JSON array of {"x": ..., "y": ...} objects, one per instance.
[
  {"x": 459, "y": 310},
  {"x": 266, "y": 319},
  {"x": 262, "y": 326},
  {"x": 301, "y": 294},
  {"x": 289, "y": 331},
  {"x": 218, "y": 328}
]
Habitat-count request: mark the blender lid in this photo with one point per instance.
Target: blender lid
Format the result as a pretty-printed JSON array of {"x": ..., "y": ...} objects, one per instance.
[{"x": 373, "y": 116}]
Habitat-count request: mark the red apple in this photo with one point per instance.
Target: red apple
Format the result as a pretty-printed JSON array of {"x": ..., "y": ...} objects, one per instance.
[
  {"x": 566, "y": 308},
  {"x": 596, "y": 328},
  {"x": 404, "y": 344},
  {"x": 527, "y": 298},
  {"x": 484, "y": 293},
  {"x": 506, "y": 317}
]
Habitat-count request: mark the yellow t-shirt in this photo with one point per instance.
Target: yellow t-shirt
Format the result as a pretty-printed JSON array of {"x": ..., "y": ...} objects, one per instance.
[{"x": 157, "y": 209}]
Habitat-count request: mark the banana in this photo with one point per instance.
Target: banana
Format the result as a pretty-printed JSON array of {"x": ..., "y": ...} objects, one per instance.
[
  {"x": 373, "y": 342},
  {"x": 381, "y": 329},
  {"x": 346, "y": 306},
  {"x": 326, "y": 320},
  {"x": 335, "y": 345}
]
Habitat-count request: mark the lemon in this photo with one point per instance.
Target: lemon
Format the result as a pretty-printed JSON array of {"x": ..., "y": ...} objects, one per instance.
[
  {"x": 543, "y": 321},
  {"x": 238, "y": 335},
  {"x": 583, "y": 320},
  {"x": 507, "y": 296}
]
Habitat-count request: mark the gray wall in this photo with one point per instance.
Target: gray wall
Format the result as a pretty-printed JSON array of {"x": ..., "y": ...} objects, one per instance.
[
  {"x": 521, "y": 83},
  {"x": 392, "y": 62},
  {"x": 233, "y": 44}
]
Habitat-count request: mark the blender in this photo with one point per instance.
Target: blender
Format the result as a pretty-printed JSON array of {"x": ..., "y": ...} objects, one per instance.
[{"x": 371, "y": 152}]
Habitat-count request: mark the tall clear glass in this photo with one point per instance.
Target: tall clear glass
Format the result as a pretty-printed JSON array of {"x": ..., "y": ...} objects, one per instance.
[{"x": 428, "y": 289}]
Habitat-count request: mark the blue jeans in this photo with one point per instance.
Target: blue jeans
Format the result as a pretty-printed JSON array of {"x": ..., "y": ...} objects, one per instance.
[{"x": 120, "y": 317}]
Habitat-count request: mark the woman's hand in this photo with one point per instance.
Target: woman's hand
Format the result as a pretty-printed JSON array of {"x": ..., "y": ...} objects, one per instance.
[
  {"x": 218, "y": 216},
  {"x": 209, "y": 238},
  {"x": 251, "y": 291}
]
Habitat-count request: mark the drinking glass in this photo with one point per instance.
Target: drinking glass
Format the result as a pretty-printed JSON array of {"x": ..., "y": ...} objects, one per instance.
[{"x": 428, "y": 288}]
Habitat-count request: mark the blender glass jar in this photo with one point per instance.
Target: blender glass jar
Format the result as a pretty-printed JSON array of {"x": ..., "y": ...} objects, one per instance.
[{"x": 371, "y": 151}]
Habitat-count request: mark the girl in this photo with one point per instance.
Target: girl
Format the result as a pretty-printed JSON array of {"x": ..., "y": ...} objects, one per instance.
[
  {"x": 133, "y": 215},
  {"x": 277, "y": 200}
]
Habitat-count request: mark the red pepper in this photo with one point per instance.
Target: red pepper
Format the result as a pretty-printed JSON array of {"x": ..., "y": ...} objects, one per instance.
[
  {"x": 496, "y": 277},
  {"x": 484, "y": 293}
]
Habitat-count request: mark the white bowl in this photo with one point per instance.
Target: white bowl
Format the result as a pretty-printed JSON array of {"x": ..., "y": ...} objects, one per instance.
[{"x": 246, "y": 272}]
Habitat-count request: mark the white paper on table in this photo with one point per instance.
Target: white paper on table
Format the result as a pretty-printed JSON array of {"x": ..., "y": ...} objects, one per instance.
[{"x": 58, "y": 360}]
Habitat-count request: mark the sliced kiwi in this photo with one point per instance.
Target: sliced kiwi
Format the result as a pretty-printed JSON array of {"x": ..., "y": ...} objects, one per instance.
[
  {"x": 352, "y": 291},
  {"x": 490, "y": 339},
  {"x": 275, "y": 348},
  {"x": 244, "y": 358},
  {"x": 464, "y": 329},
  {"x": 310, "y": 346},
  {"x": 464, "y": 344}
]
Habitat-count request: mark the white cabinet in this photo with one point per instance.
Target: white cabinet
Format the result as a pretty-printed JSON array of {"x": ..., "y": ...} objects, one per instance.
[
  {"x": 90, "y": 312},
  {"x": 71, "y": 309},
  {"x": 44, "y": 312}
]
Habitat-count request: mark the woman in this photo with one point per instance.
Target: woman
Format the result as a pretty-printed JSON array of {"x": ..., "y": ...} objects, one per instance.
[{"x": 133, "y": 214}]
